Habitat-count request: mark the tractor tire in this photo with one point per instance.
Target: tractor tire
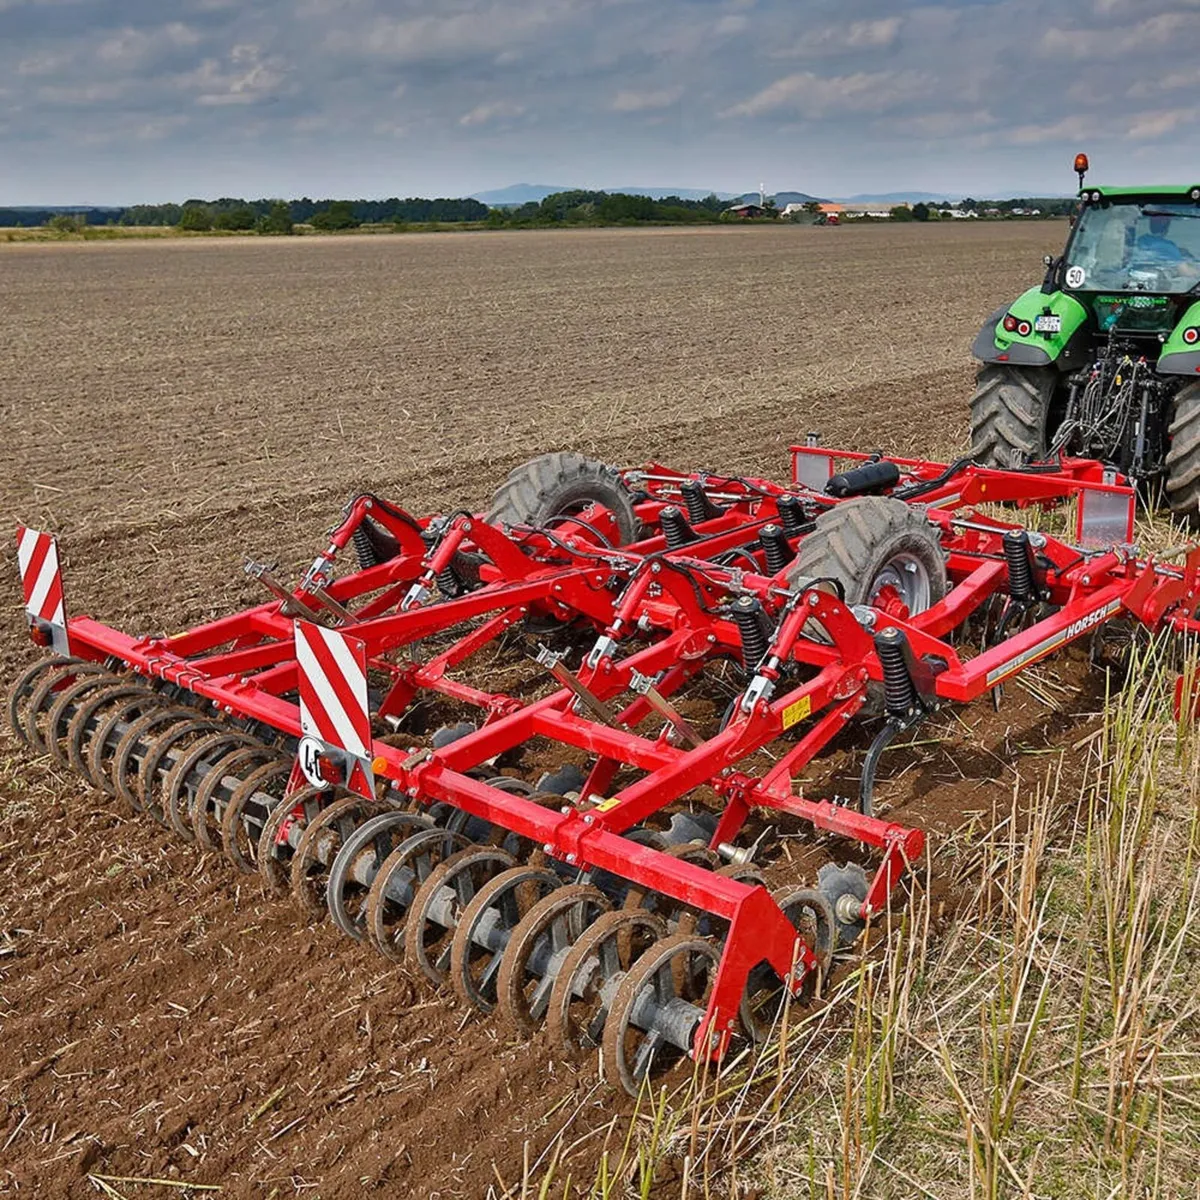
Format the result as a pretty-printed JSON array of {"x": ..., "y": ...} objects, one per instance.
[
  {"x": 1010, "y": 414},
  {"x": 871, "y": 542},
  {"x": 1183, "y": 458},
  {"x": 560, "y": 484}
]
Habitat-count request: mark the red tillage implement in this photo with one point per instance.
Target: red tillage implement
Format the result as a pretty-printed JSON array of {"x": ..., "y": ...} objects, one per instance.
[{"x": 577, "y": 831}]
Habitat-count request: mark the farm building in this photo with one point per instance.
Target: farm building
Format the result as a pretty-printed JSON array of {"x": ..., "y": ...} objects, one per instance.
[{"x": 746, "y": 211}]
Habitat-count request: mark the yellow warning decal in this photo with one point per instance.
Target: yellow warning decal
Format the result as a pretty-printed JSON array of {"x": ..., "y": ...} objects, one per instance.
[
  {"x": 605, "y": 805},
  {"x": 795, "y": 713}
]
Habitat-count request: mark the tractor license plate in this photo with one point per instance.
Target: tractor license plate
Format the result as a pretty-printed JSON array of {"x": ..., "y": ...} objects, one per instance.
[{"x": 1047, "y": 324}]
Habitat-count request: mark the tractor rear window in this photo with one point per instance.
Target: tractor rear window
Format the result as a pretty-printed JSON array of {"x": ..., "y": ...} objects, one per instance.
[{"x": 1137, "y": 247}]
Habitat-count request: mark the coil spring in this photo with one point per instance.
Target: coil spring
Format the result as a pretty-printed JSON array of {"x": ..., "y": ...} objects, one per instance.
[
  {"x": 1020, "y": 567},
  {"x": 699, "y": 506},
  {"x": 449, "y": 583},
  {"x": 755, "y": 628},
  {"x": 775, "y": 544},
  {"x": 675, "y": 528},
  {"x": 899, "y": 692},
  {"x": 364, "y": 548},
  {"x": 792, "y": 515}
]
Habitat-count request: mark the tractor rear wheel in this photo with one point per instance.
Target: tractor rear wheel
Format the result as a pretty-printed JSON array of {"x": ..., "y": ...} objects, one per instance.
[
  {"x": 562, "y": 484},
  {"x": 882, "y": 551},
  {"x": 1010, "y": 414},
  {"x": 1183, "y": 458}
]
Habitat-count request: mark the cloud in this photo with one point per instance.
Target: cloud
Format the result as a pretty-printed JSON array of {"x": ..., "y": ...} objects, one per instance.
[
  {"x": 630, "y": 101},
  {"x": 487, "y": 114},
  {"x": 244, "y": 77},
  {"x": 1162, "y": 32},
  {"x": 812, "y": 95},
  {"x": 842, "y": 38},
  {"x": 110, "y": 99}
]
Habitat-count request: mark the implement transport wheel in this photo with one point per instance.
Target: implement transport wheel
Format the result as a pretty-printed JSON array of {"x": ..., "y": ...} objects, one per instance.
[
  {"x": 882, "y": 551},
  {"x": 1010, "y": 414},
  {"x": 636, "y": 1043},
  {"x": 562, "y": 484},
  {"x": 1183, "y": 458}
]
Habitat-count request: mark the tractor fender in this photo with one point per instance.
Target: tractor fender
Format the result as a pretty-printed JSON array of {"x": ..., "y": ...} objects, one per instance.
[
  {"x": 1178, "y": 356},
  {"x": 1035, "y": 349}
]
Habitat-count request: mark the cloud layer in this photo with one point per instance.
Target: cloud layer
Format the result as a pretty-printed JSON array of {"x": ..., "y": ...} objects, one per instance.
[{"x": 110, "y": 101}]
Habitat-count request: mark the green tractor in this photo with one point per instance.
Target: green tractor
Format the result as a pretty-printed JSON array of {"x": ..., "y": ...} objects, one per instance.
[{"x": 1103, "y": 359}]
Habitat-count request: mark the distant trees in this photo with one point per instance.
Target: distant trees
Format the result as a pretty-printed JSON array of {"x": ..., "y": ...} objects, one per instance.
[
  {"x": 240, "y": 219},
  {"x": 920, "y": 211},
  {"x": 195, "y": 218},
  {"x": 903, "y": 213},
  {"x": 277, "y": 220},
  {"x": 66, "y": 223},
  {"x": 339, "y": 215}
]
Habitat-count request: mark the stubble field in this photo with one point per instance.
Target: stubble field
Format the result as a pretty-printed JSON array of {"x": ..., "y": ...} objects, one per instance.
[{"x": 173, "y": 408}]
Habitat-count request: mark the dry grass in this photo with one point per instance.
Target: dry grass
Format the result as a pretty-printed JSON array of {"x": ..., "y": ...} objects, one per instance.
[{"x": 1041, "y": 1046}]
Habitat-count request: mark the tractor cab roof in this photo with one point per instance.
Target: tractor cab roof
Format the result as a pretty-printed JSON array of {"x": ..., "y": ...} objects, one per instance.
[{"x": 1184, "y": 191}]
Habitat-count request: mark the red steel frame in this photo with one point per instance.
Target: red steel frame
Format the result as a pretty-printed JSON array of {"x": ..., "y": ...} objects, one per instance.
[{"x": 659, "y": 605}]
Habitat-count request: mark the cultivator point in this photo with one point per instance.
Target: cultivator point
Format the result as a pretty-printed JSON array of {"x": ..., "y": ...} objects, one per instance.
[{"x": 547, "y": 756}]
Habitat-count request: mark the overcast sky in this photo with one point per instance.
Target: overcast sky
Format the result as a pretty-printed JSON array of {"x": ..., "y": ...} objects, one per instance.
[{"x": 117, "y": 101}]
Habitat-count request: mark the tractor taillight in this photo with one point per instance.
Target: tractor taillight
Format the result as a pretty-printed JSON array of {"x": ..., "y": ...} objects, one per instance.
[
  {"x": 1010, "y": 324},
  {"x": 1191, "y": 335},
  {"x": 1024, "y": 328}
]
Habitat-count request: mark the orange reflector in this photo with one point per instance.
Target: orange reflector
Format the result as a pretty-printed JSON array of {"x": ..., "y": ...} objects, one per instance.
[{"x": 379, "y": 765}]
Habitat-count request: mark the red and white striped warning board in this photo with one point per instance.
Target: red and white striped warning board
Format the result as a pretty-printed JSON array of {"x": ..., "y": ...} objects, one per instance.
[
  {"x": 333, "y": 703},
  {"x": 41, "y": 579}
]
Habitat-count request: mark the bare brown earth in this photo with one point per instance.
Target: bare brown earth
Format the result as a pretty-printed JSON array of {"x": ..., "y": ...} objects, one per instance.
[{"x": 172, "y": 408}]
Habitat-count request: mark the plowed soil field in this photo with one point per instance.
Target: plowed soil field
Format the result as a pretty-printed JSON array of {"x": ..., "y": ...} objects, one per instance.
[{"x": 171, "y": 408}]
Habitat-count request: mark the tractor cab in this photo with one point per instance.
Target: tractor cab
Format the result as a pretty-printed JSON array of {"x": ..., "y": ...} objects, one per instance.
[{"x": 1103, "y": 359}]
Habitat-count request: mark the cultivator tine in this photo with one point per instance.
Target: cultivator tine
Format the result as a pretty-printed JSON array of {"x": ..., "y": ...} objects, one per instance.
[
  {"x": 584, "y": 696},
  {"x": 643, "y": 686},
  {"x": 554, "y": 852},
  {"x": 289, "y": 605}
]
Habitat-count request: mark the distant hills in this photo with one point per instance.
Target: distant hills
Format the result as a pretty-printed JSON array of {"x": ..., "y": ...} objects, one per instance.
[
  {"x": 535, "y": 193},
  {"x": 526, "y": 193}
]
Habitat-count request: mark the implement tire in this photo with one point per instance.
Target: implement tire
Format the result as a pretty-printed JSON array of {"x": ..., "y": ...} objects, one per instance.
[
  {"x": 1183, "y": 458},
  {"x": 1010, "y": 414},
  {"x": 871, "y": 542},
  {"x": 562, "y": 484}
]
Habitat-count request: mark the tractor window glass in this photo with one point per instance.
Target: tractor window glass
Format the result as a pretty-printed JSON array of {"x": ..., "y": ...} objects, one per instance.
[{"x": 1143, "y": 247}]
